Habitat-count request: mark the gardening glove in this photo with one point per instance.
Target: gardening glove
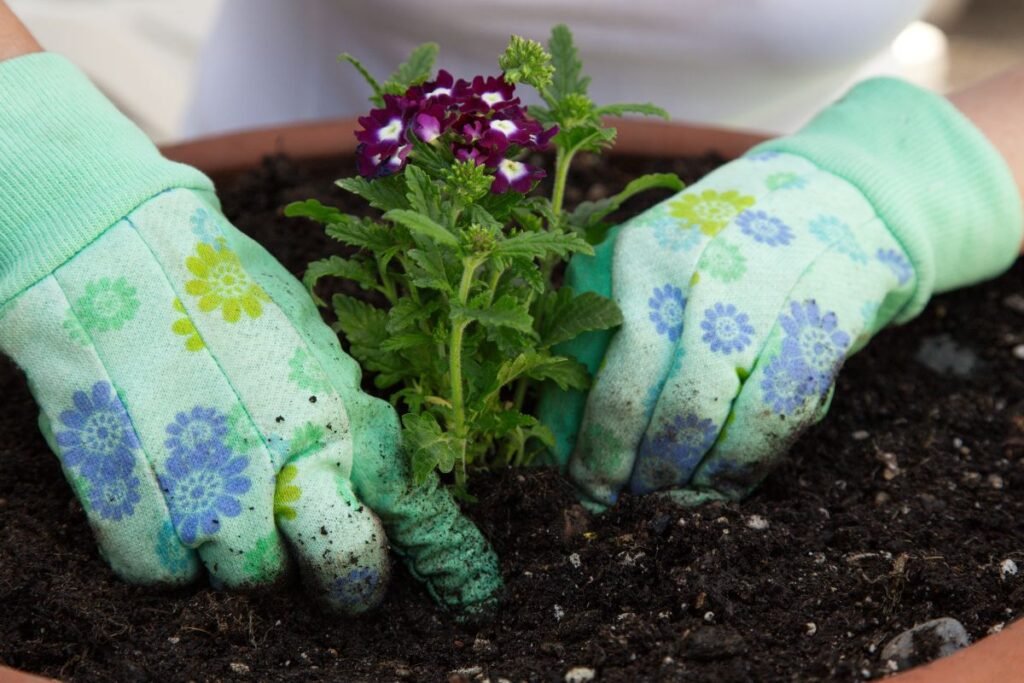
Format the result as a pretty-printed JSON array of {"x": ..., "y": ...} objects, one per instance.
[
  {"x": 202, "y": 411},
  {"x": 744, "y": 294}
]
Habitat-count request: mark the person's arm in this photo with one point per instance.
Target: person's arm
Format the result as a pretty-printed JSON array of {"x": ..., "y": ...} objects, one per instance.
[
  {"x": 996, "y": 106},
  {"x": 15, "y": 40}
]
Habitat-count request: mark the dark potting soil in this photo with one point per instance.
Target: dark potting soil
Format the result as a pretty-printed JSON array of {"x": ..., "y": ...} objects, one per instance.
[{"x": 901, "y": 506}]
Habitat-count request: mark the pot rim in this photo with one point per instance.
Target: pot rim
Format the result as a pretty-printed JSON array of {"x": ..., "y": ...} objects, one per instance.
[{"x": 224, "y": 155}]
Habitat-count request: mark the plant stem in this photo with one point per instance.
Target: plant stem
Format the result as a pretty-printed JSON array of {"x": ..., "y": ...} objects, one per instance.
[
  {"x": 563, "y": 160},
  {"x": 469, "y": 266},
  {"x": 389, "y": 285}
]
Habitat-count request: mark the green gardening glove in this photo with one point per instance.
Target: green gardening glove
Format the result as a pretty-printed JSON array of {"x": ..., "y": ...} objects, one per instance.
[
  {"x": 202, "y": 411},
  {"x": 744, "y": 294}
]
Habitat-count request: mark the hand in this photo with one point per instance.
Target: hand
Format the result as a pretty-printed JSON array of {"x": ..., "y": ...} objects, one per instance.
[
  {"x": 203, "y": 412},
  {"x": 743, "y": 295}
]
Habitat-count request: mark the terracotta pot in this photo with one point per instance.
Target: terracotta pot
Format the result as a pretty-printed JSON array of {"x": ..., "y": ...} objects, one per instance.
[{"x": 996, "y": 659}]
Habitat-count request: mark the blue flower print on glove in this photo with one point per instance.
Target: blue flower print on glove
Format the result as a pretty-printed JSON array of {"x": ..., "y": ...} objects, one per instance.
[
  {"x": 204, "y": 476},
  {"x": 726, "y": 329},
  {"x": 673, "y": 453},
  {"x": 667, "y": 304}
]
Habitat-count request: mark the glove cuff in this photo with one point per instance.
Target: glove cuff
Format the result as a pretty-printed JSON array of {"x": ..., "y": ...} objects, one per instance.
[
  {"x": 71, "y": 165},
  {"x": 940, "y": 186}
]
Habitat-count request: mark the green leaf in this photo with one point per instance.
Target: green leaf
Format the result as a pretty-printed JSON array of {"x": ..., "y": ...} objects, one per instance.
[
  {"x": 364, "y": 327},
  {"x": 500, "y": 422},
  {"x": 645, "y": 108},
  {"x": 543, "y": 433},
  {"x": 565, "y": 316},
  {"x": 408, "y": 313},
  {"x": 585, "y": 138},
  {"x": 384, "y": 193},
  {"x": 406, "y": 340},
  {"x": 428, "y": 270},
  {"x": 359, "y": 271},
  {"x": 313, "y": 210},
  {"x": 376, "y": 98},
  {"x": 480, "y": 215},
  {"x": 428, "y": 446},
  {"x": 423, "y": 195},
  {"x": 567, "y": 373},
  {"x": 363, "y": 324},
  {"x": 436, "y": 159},
  {"x": 587, "y": 214},
  {"x": 568, "y": 78},
  {"x": 413, "y": 71},
  {"x": 507, "y": 311},
  {"x": 525, "y": 271},
  {"x": 422, "y": 225},
  {"x": 361, "y": 232},
  {"x": 500, "y": 205},
  {"x": 541, "y": 244}
]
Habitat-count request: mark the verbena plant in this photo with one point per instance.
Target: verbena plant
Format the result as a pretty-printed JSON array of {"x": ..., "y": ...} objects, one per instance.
[{"x": 464, "y": 253}]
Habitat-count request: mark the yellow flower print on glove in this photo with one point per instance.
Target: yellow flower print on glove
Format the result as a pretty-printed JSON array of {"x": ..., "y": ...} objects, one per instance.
[
  {"x": 221, "y": 282},
  {"x": 710, "y": 210}
]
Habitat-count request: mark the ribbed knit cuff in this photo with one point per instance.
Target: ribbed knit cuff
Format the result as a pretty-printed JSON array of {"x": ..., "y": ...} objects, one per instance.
[
  {"x": 941, "y": 187},
  {"x": 71, "y": 165}
]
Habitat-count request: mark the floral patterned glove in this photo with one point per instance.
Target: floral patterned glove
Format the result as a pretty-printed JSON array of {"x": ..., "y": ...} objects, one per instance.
[
  {"x": 744, "y": 294},
  {"x": 203, "y": 412}
]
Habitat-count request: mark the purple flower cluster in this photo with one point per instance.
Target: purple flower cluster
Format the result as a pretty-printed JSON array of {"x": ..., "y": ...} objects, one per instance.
[{"x": 480, "y": 120}]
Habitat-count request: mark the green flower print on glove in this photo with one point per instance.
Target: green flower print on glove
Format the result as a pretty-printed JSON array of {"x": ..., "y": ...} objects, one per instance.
[{"x": 780, "y": 265}]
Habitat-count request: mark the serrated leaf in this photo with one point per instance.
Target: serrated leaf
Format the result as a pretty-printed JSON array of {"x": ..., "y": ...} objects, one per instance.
[
  {"x": 360, "y": 272},
  {"x": 568, "y": 78},
  {"x": 541, "y": 114},
  {"x": 507, "y": 311},
  {"x": 585, "y": 138},
  {"x": 406, "y": 340},
  {"x": 645, "y": 108},
  {"x": 376, "y": 98},
  {"x": 428, "y": 446},
  {"x": 314, "y": 210},
  {"x": 501, "y": 422},
  {"x": 385, "y": 193},
  {"x": 526, "y": 272},
  {"x": 428, "y": 270},
  {"x": 407, "y": 313},
  {"x": 363, "y": 324},
  {"x": 435, "y": 159},
  {"x": 541, "y": 244},
  {"x": 500, "y": 205},
  {"x": 567, "y": 373},
  {"x": 565, "y": 316},
  {"x": 519, "y": 366},
  {"x": 480, "y": 215},
  {"x": 588, "y": 214},
  {"x": 423, "y": 225},
  {"x": 423, "y": 194},
  {"x": 414, "y": 70},
  {"x": 361, "y": 232}
]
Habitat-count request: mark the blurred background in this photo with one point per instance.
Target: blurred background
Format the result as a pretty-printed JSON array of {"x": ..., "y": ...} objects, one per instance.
[{"x": 144, "y": 53}]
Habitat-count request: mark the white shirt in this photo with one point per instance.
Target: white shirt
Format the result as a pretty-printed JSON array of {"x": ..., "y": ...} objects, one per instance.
[{"x": 757, "y": 64}]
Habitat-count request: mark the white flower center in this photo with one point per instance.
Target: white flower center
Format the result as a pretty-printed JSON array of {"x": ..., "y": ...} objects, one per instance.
[
  {"x": 438, "y": 92},
  {"x": 506, "y": 127},
  {"x": 390, "y": 132},
  {"x": 492, "y": 98},
  {"x": 513, "y": 170}
]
